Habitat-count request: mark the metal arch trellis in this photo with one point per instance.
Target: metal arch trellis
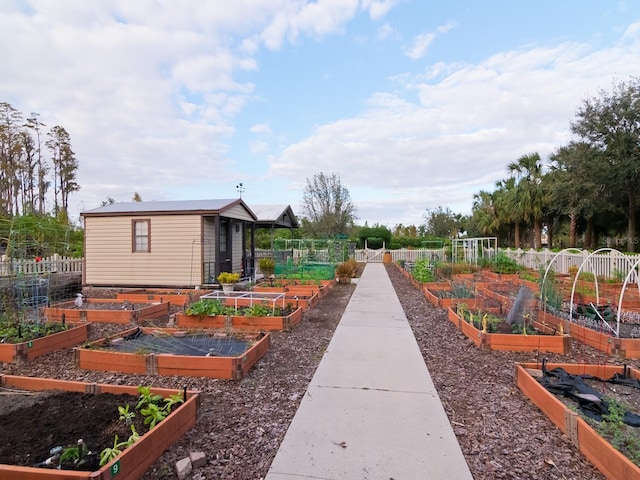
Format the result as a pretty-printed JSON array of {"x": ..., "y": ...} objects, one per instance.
[
  {"x": 630, "y": 272},
  {"x": 550, "y": 264},
  {"x": 588, "y": 260}
]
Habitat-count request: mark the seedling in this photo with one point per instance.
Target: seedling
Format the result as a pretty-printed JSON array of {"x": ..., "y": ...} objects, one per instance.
[
  {"x": 147, "y": 397},
  {"x": 172, "y": 401},
  {"x": 110, "y": 453},
  {"x": 153, "y": 414},
  {"x": 126, "y": 415}
]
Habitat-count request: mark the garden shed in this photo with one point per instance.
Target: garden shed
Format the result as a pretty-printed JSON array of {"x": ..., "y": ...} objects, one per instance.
[
  {"x": 182, "y": 243},
  {"x": 274, "y": 216}
]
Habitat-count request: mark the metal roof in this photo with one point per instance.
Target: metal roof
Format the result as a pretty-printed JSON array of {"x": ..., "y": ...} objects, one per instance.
[
  {"x": 278, "y": 216},
  {"x": 167, "y": 206}
]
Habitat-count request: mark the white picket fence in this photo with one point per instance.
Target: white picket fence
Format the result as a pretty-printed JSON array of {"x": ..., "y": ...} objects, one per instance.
[
  {"x": 606, "y": 262},
  {"x": 405, "y": 254},
  {"x": 53, "y": 264}
]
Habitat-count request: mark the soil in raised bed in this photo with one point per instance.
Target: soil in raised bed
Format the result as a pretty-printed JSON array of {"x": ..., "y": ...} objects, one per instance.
[{"x": 33, "y": 423}]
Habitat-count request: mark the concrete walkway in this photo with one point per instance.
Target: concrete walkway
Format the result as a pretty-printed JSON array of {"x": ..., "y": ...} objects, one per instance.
[{"x": 371, "y": 410}]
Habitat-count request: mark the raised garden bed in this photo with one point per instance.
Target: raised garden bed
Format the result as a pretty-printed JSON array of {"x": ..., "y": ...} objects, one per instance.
[
  {"x": 502, "y": 340},
  {"x": 166, "y": 351},
  {"x": 43, "y": 422},
  {"x": 24, "y": 352},
  {"x": 251, "y": 311},
  {"x": 105, "y": 310},
  {"x": 240, "y": 322},
  {"x": 624, "y": 347},
  {"x": 179, "y": 297},
  {"x": 596, "y": 448},
  {"x": 447, "y": 295}
]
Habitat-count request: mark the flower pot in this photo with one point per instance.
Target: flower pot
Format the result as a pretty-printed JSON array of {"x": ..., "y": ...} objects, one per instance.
[{"x": 228, "y": 287}]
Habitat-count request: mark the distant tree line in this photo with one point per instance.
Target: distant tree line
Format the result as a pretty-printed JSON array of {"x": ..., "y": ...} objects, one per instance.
[
  {"x": 589, "y": 189},
  {"x": 28, "y": 176}
]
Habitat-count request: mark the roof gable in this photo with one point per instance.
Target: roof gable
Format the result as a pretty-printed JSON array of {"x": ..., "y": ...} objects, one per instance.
[
  {"x": 168, "y": 207},
  {"x": 278, "y": 216}
]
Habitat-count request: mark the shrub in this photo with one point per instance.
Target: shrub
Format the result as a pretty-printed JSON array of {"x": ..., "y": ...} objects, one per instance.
[
  {"x": 505, "y": 264},
  {"x": 228, "y": 277},
  {"x": 346, "y": 270},
  {"x": 267, "y": 266}
]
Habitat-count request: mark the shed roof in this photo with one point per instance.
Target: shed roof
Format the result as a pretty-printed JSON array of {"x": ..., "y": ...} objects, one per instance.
[
  {"x": 277, "y": 216},
  {"x": 171, "y": 207}
]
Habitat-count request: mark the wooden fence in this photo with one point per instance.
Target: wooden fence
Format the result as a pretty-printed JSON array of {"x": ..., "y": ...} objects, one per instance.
[{"x": 54, "y": 264}]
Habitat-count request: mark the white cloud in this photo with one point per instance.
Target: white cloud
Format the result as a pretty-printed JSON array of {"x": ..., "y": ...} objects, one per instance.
[
  {"x": 261, "y": 128},
  {"x": 468, "y": 123},
  {"x": 386, "y": 31},
  {"x": 378, "y": 9},
  {"x": 422, "y": 42},
  {"x": 258, "y": 146},
  {"x": 151, "y": 92}
]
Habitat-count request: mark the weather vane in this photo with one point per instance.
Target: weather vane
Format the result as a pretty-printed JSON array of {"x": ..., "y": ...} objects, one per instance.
[{"x": 240, "y": 188}]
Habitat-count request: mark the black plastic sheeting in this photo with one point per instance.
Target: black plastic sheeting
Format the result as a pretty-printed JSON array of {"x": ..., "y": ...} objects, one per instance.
[
  {"x": 559, "y": 382},
  {"x": 194, "y": 345}
]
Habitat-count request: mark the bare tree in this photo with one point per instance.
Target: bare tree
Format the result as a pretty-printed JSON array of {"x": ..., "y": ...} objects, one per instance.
[{"x": 327, "y": 206}]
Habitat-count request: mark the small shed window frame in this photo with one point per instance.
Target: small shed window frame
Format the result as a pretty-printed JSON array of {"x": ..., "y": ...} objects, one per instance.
[{"x": 135, "y": 236}]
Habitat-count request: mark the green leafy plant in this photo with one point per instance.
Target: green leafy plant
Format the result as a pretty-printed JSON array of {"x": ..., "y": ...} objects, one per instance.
[
  {"x": 152, "y": 406},
  {"x": 479, "y": 318},
  {"x": 172, "y": 400},
  {"x": 505, "y": 264},
  {"x": 257, "y": 310},
  {"x": 549, "y": 292},
  {"x": 528, "y": 276},
  {"x": 423, "y": 271},
  {"x": 16, "y": 332},
  {"x": 110, "y": 453},
  {"x": 153, "y": 414},
  {"x": 209, "y": 308},
  {"x": 147, "y": 397},
  {"x": 126, "y": 415}
]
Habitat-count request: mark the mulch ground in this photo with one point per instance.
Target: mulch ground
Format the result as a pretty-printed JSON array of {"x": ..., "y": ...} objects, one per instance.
[{"x": 242, "y": 423}]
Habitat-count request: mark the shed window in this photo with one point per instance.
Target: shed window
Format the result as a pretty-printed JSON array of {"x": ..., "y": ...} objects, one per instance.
[
  {"x": 141, "y": 241},
  {"x": 223, "y": 235}
]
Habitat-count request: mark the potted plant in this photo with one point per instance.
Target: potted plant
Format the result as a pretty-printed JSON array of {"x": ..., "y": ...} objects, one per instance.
[
  {"x": 267, "y": 267},
  {"x": 227, "y": 280}
]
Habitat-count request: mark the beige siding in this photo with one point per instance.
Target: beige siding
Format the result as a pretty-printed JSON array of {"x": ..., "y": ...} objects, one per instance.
[
  {"x": 238, "y": 212},
  {"x": 175, "y": 257}
]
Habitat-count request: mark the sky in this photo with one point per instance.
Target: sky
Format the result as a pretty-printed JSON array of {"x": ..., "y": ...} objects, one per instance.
[{"x": 415, "y": 104}]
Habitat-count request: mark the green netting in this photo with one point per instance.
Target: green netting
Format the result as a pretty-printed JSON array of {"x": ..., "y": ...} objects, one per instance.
[
  {"x": 309, "y": 259},
  {"x": 306, "y": 271}
]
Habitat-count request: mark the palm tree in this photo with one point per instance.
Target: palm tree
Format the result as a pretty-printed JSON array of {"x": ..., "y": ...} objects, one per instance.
[
  {"x": 507, "y": 207},
  {"x": 527, "y": 170},
  {"x": 484, "y": 213}
]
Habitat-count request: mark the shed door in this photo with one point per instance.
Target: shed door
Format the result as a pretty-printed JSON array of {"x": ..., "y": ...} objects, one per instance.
[{"x": 225, "y": 245}]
